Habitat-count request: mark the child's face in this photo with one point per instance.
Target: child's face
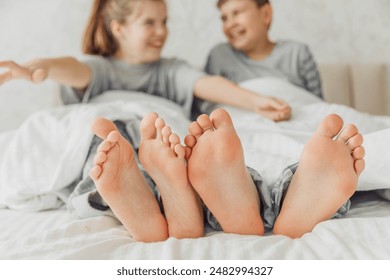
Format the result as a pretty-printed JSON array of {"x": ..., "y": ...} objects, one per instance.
[
  {"x": 143, "y": 35},
  {"x": 245, "y": 24}
]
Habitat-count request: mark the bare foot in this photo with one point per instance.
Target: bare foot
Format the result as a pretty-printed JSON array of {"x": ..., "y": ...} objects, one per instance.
[
  {"x": 163, "y": 157},
  {"x": 120, "y": 182},
  {"x": 217, "y": 171},
  {"x": 326, "y": 177}
]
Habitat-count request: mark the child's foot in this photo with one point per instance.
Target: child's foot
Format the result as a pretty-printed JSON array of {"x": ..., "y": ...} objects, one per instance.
[
  {"x": 163, "y": 157},
  {"x": 123, "y": 187},
  {"x": 326, "y": 178},
  {"x": 217, "y": 171}
]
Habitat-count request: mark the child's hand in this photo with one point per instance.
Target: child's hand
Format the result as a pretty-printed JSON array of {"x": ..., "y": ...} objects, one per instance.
[
  {"x": 31, "y": 72},
  {"x": 273, "y": 108}
]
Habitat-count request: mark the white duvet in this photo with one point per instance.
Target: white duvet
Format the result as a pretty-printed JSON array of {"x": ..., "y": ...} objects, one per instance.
[{"x": 44, "y": 155}]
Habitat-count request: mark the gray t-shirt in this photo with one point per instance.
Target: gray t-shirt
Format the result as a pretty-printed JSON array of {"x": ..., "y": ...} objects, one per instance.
[
  {"x": 288, "y": 60},
  {"x": 171, "y": 78}
]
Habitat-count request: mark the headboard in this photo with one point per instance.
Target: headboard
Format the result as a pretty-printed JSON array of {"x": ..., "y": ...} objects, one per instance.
[{"x": 365, "y": 87}]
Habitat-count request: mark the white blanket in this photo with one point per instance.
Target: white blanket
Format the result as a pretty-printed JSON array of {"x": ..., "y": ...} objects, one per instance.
[
  {"x": 47, "y": 153},
  {"x": 43, "y": 156}
]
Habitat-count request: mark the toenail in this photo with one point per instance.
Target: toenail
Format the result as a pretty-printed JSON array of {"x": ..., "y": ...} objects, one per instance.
[{"x": 207, "y": 129}]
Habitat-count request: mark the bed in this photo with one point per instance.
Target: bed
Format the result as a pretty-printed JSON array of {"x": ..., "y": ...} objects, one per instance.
[
  {"x": 36, "y": 224},
  {"x": 31, "y": 186}
]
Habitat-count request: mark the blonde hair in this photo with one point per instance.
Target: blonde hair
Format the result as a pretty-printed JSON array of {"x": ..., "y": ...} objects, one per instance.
[
  {"x": 98, "y": 38},
  {"x": 258, "y": 2}
]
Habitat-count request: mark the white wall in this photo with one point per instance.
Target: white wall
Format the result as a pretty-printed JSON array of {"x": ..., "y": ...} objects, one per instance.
[
  {"x": 336, "y": 31},
  {"x": 30, "y": 29}
]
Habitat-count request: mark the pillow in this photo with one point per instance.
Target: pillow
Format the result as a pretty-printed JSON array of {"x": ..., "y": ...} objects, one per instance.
[{"x": 293, "y": 95}]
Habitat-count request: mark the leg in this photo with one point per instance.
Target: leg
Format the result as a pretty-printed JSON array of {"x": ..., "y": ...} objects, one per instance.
[
  {"x": 217, "y": 171},
  {"x": 162, "y": 156},
  {"x": 326, "y": 177},
  {"x": 122, "y": 185}
]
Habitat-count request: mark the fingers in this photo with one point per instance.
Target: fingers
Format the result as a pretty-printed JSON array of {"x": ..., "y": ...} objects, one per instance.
[
  {"x": 281, "y": 115},
  {"x": 273, "y": 108},
  {"x": 271, "y": 103},
  {"x": 284, "y": 116},
  {"x": 287, "y": 113},
  {"x": 5, "y": 77},
  {"x": 277, "y": 103},
  {"x": 39, "y": 75},
  {"x": 275, "y": 115},
  {"x": 16, "y": 71}
]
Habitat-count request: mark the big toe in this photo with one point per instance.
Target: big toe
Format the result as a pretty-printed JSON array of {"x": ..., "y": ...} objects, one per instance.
[
  {"x": 221, "y": 118},
  {"x": 102, "y": 127},
  {"x": 330, "y": 126},
  {"x": 148, "y": 128}
]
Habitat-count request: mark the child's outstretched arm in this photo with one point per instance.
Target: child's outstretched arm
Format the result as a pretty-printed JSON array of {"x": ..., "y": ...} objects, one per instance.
[
  {"x": 220, "y": 90},
  {"x": 65, "y": 70}
]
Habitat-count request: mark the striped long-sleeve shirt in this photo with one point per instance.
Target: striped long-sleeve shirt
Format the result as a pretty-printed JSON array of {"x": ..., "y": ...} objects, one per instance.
[{"x": 288, "y": 60}]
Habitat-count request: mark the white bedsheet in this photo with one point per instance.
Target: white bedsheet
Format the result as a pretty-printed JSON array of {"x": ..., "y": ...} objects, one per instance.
[{"x": 363, "y": 234}]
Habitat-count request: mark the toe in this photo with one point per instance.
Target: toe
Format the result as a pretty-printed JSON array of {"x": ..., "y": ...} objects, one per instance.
[
  {"x": 221, "y": 118},
  {"x": 95, "y": 172},
  {"x": 355, "y": 141},
  {"x": 188, "y": 152},
  {"x": 180, "y": 151},
  {"x": 113, "y": 136},
  {"x": 195, "y": 130},
  {"x": 330, "y": 126},
  {"x": 348, "y": 132},
  {"x": 174, "y": 139},
  {"x": 166, "y": 132},
  {"x": 100, "y": 158},
  {"x": 159, "y": 124},
  {"x": 105, "y": 146},
  {"x": 147, "y": 128},
  {"x": 359, "y": 166},
  {"x": 358, "y": 153},
  {"x": 190, "y": 141},
  {"x": 102, "y": 127},
  {"x": 205, "y": 122}
]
